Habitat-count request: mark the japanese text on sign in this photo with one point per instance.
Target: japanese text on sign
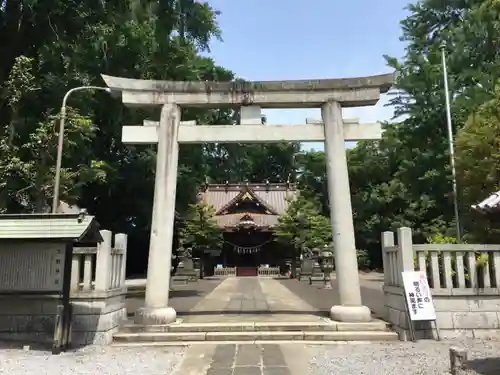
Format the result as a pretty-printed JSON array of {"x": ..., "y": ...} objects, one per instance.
[{"x": 418, "y": 296}]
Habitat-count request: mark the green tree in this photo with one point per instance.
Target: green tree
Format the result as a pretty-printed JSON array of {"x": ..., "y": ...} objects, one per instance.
[
  {"x": 311, "y": 177},
  {"x": 302, "y": 225},
  {"x": 478, "y": 167},
  {"x": 417, "y": 187},
  {"x": 51, "y": 46},
  {"x": 199, "y": 229}
]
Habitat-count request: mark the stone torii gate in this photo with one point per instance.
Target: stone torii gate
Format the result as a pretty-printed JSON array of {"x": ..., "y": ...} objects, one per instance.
[{"x": 328, "y": 94}]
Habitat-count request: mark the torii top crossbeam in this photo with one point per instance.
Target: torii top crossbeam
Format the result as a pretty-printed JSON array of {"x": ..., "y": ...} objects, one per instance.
[{"x": 349, "y": 92}]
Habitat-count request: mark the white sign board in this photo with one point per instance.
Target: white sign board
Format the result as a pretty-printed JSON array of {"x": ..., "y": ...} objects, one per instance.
[{"x": 418, "y": 296}]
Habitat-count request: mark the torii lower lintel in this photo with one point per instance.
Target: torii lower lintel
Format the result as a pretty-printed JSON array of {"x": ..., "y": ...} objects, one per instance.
[{"x": 249, "y": 133}]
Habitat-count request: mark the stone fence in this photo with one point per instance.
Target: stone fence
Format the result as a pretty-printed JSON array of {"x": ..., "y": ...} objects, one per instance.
[
  {"x": 268, "y": 271},
  {"x": 464, "y": 280},
  {"x": 261, "y": 271},
  {"x": 98, "y": 291},
  {"x": 224, "y": 271},
  {"x": 101, "y": 267}
]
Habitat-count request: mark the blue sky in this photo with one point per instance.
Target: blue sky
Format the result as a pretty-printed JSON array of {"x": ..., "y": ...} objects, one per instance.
[{"x": 297, "y": 39}]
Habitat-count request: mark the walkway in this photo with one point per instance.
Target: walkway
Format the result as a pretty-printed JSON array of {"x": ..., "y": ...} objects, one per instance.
[
  {"x": 248, "y": 295},
  {"x": 257, "y": 300},
  {"x": 246, "y": 359},
  {"x": 251, "y": 299}
]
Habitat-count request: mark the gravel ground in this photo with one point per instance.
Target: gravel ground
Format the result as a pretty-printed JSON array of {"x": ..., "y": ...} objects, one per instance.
[
  {"x": 91, "y": 361},
  {"x": 424, "y": 357}
]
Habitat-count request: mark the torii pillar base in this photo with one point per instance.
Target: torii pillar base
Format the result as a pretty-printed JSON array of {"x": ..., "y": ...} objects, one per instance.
[
  {"x": 155, "y": 316},
  {"x": 350, "y": 314}
]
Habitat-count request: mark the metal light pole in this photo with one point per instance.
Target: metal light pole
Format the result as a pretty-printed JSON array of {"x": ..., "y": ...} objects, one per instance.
[
  {"x": 57, "y": 178},
  {"x": 450, "y": 140}
]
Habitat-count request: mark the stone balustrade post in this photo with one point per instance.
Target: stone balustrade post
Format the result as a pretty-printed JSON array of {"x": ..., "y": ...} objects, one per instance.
[
  {"x": 387, "y": 240},
  {"x": 103, "y": 262},
  {"x": 405, "y": 255},
  {"x": 121, "y": 243}
]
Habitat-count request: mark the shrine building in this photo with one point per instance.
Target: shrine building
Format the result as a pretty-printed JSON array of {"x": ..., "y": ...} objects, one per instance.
[{"x": 247, "y": 214}]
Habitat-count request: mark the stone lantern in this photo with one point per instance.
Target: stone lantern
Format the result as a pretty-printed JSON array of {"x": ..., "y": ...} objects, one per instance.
[{"x": 326, "y": 263}]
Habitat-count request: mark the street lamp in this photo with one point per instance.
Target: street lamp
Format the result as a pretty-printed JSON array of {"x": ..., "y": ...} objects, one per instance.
[
  {"x": 57, "y": 178},
  {"x": 450, "y": 140}
]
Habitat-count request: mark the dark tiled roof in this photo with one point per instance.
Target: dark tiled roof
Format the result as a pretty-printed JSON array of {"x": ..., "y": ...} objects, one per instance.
[
  {"x": 274, "y": 196},
  {"x": 489, "y": 205},
  {"x": 240, "y": 196}
]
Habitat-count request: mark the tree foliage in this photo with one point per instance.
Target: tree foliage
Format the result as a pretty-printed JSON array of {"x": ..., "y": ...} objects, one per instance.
[
  {"x": 199, "y": 229},
  {"x": 405, "y": 178},
  {"x": 478, "y": 165},
  {"x": 412, "y": 183},
  {"x": 303, "y": 225}
]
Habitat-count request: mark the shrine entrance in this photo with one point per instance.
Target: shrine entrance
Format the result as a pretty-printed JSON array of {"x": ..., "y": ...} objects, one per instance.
[
  {"x": 247, "y": 215},
  {"x": 249, "y": 97}
]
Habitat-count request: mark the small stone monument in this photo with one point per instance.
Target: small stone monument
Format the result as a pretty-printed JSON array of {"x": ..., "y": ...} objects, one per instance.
[
  {"x": 186, "y": 267},
  {"x": 317, "y": 271},
  {"x": 458, "y": 361},
  {"x": 307, "y": 264}
]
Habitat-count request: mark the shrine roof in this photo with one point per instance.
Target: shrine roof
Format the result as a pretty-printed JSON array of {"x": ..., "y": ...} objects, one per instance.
[
  {"x": 234, "y": 220},
  {"x": 65, "y": 227},
  {"x": 489, "y": 205},
  {"x": 275, "y": 196}
]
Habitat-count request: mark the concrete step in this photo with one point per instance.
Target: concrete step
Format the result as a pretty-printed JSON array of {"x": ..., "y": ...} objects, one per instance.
[
  {"x": 180, "y": 338},
  {"x": 319, "y": 326}
]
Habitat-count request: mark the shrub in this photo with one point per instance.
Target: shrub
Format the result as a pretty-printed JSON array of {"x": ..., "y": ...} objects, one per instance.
[{"x": 364, "y": 261}]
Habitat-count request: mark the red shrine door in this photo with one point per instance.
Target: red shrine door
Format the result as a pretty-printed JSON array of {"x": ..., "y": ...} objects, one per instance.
[{"x": 246, "y": 271}]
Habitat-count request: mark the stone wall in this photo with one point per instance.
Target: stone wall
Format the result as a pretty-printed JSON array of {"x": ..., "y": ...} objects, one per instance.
[
  {"x": 31, "y": 318},
  {"x": 467, "y": 302}
]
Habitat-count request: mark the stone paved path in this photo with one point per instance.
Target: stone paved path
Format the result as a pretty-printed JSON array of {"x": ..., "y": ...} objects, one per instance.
[
  {"x": 248, "y": 300},
  {"x": 244, "y": 296},
  {"x": 246, "y": 359}
]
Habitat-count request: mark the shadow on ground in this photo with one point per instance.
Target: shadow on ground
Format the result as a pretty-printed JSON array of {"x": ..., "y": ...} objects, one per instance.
[
  {"x": 485, "y": 366},
  {"x": 323, "y": 299},
  {"x": 173, "y": 294},
  {"x": 255, "y": 312},
  {"x": 182, "y": 297}
]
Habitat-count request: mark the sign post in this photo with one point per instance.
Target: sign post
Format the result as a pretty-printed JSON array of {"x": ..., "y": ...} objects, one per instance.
[{"x": 418, "y": 296}]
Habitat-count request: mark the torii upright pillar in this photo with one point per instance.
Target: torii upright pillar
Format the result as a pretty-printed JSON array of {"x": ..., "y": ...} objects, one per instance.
[
  {"x": 350, "y": 307},
  {"x": 156, "y": 309}
]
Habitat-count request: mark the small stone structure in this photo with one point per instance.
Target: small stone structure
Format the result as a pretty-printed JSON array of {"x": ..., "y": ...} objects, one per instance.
[
  {"x": 37, "y": 271},
  {"x": 98, "y": 289},
  {"x": 464, "y": 280},
  {"x": 306, "y": 264},
  {"x": 458, "y": 361},
  {"x": 186, "y": 266}
]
